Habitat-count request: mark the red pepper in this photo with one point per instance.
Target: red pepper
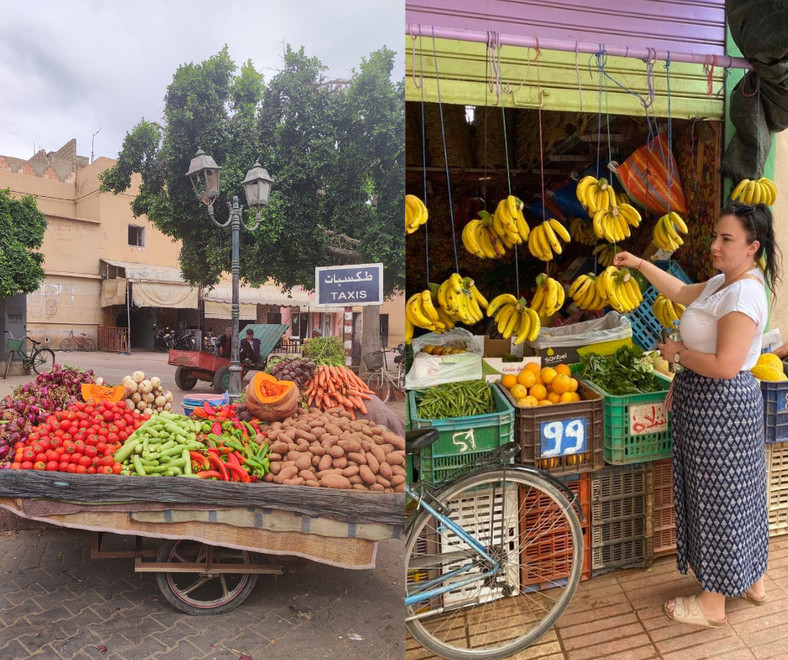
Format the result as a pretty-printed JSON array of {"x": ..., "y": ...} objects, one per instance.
[
  {"x": 213, "y": 450},
  {"x": 199, "y": 412},
  {"x": 200, "y": 458},
  {"x": 238, "y": 456},
  {"x": 219, "y": 465},
  {"x": 238, "y": 471},
  {"x": 216, "y": 428},
  {"x": 208, "y": 407},
  {"x": 232, "y": 460},
  {"x": 208, "y": 474}
]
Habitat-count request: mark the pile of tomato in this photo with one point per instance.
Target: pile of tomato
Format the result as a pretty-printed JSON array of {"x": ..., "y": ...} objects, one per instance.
[{"x": 82, "y": 439}]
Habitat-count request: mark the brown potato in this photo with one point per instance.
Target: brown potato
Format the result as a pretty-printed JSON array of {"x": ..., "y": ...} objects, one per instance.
[
  {"x": 334, "y": 481},
  {"x": 366, "y": 474}
]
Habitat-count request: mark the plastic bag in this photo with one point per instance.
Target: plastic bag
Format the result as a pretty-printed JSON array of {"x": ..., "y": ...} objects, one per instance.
[
  {"x": 430, "y": 370},
  {"x": 610, "y": 327}
]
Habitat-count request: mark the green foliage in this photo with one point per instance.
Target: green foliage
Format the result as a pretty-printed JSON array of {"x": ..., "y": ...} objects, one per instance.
[
  {"x": 325, "y": 350},
  {"x": 22, "y": 228},
  {"x": 624, "y": 372},
  {"x": 336, "y": 159}
]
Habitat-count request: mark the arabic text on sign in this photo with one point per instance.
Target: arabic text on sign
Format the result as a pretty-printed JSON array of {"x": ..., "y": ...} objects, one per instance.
[
  {"x": 648, "y": 418},
  {"x": 563, "y": 437}
]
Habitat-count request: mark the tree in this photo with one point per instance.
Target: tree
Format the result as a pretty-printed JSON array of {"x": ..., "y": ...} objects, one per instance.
[{"x": 22, "y": 228}]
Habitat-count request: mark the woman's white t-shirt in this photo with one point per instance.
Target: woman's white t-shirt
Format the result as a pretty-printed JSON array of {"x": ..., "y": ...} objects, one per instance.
[{"x": 699, "y": 322}]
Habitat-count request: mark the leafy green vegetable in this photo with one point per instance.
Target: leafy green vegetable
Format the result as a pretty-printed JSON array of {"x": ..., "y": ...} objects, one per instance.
[
  {"x": 621, "y": 373},
  {"x": 325, "y": 350},
  {"x": 464, "y": 399}
]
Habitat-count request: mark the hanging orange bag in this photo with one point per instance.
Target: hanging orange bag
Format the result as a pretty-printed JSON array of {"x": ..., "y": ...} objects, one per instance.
[{"x": 650, "y": 177}]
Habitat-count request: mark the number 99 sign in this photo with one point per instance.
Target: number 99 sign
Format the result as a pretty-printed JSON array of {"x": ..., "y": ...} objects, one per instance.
[{"x": 563, "y": 437}]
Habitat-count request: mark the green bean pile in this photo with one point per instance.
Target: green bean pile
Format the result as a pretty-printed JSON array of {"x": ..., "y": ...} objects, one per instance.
[{"x": 464, "y": 399}]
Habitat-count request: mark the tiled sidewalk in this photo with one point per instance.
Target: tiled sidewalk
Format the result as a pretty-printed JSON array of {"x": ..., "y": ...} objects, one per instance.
[{"x": 619, "y": 615}]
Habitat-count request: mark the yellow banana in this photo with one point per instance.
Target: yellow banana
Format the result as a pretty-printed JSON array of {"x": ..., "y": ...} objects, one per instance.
[
  {"x": 678, "y": 221},
  {"x": 560, "y": 230},
  {"x": 428, "y": 307},
  {"x": 538, "y": 300},
  {"x": 552, "y": 239},
  {"x": 739, "y": 189},
  {"x": 772, "y": 190},
  {"x": 535, "y": 323},
  {"x": 499, "y": 301},
  {"x": 523, "y": 328},
  {"x": 503, "y": 318}
]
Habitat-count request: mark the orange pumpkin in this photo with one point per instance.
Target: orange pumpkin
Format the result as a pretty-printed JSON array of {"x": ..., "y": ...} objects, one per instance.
[
  {"x": 270, "y": 399},
  {"x": 102, "y": 393}
]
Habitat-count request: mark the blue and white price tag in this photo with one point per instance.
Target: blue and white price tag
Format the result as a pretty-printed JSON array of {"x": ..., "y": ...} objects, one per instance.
[{"x": 564, "y": 437}]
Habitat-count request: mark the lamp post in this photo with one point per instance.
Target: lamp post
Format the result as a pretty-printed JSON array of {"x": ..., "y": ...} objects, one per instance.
[{"x": 204, "y": 175}]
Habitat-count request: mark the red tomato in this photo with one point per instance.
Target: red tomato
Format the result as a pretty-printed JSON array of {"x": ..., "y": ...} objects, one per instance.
[
  {"x": 33, "y": 437},
  {"x": 18, "y": 456},
  {"x": 103, "y": 432},
  {"x": 59, "y": 450},
  {"x": 107, "y": 415},
  {"x": 19, "y": 445},
  {"x": 63, "y": 467},
  {"x": 59, "y": 433},
  {"x": 106, "y": 469},
  {"x": 113, "y": 437},
  {"x": 83, "y": 423},
  {"x": 52, "y": 466},
  {"x": 91, "y": 451},
  {"x": 79, "y": 445},
  {"x": 96, "y": 460},
  {"x": 116, "y": 468},
  {"x": 52, "y": 455},
  {"x": 68, "y": 445},
  {"x": 29, "y": 454},
  {"x": 75, "y": 457},
  {"x": 40, "y": 465},
  {"x": 101, "y": 446},
  {"x": 65, "y": 424},
  {"x": 16, "y": 465},
  {"x": 72, "y": 430},
  {"x": 44, "y": 444},
  {"x": 27, "y": 465},
  {"x": 85, "y": 460},
  {"x": 72, "y": 467},
  {"x": 70, "y": 415},
  {"x": 108, "y": 461},
  {"x": 122, "y": 435},
  {"x": 109, "y": 451},
  {"x": 91, "y": 470},
  {"x": 81, "y": 469}
]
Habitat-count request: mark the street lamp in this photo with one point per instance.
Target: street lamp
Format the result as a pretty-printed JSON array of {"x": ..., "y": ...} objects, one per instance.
[{"x": 204, "y": 175}]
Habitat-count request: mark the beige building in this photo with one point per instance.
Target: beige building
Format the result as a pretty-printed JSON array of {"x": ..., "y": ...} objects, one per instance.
[{"x": 107, "y": 270}]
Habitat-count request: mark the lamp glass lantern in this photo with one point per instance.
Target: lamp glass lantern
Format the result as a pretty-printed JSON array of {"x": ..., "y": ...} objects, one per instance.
[
  {"x": 204, "y": 175},
  {"x": 257, "y": 185}
]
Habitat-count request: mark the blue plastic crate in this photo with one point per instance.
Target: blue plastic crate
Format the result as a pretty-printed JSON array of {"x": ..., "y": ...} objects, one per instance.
[
  {"x": 775, "y": 411},
  {"x": 646, "y": 330}
]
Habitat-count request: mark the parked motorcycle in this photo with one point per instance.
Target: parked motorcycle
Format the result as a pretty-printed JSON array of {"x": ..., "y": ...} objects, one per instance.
[
  {"x": 161, "y": 338},
  {"x": 184, "y": 340}
]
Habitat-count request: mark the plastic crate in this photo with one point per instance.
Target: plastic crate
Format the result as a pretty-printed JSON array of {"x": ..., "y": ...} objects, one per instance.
[
  {"x": 663, "y": 513},
  {"x": 545, "y": 561},
  {"x": 775, "y": 410},
  {"x": 620, "y": 520},
  {"x": 625, "y": 442},
  {"x": 540, "y": 429},
  {"x": 777, "y": 488},
  {"x": 462, "y": 441},
  {"x": 193, "y": 401},
  {"x": 646, "y": 330}
]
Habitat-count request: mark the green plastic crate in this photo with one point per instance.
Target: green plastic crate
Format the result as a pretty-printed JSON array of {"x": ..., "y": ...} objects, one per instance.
[
  {"x": 462, "y": 441},
  {"x": 625, "y": 442}
]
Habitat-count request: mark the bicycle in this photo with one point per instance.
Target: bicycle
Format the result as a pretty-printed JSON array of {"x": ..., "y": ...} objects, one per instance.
[
  {"x": 40, "y": 359},
  {"x": 381, "y": 380},
  {"x": 71, "y": 343},
  {"x": 474, "y": 587}
]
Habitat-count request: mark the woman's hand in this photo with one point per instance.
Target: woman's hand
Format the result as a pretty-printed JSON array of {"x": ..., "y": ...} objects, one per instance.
[
  {"x": 626, "y": 259},
  {"x": 669, "y": 348}
]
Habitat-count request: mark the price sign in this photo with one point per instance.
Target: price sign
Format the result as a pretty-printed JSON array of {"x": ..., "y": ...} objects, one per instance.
[
  {"x": 464, "y": 441},
  {"x": 564, "y": 437},
  {"x": 648, "y": 418}
]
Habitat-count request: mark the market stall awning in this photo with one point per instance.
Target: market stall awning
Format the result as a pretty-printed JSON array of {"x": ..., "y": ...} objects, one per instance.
[
  {"x": 261, "y": 295},
  {"x": 152, "y": 286},
  {"x": 221, "y": 310}
]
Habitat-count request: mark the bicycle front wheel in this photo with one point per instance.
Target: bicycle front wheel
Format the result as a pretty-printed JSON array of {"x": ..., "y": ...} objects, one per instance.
[
  {"x": 379, "y": 385},
  {"x": 88, "y": 344},
  {"x": 533, "y": 535},
  {"x": 68, "y": 344},
  {"x": 43, "y": 359}
]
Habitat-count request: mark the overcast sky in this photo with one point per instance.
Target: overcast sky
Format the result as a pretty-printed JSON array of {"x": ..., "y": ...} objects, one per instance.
[{"x": 68, "y": 69}]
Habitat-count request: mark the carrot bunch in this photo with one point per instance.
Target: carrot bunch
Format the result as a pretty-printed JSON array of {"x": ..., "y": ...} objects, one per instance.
[{"x": 333, "y": 387}]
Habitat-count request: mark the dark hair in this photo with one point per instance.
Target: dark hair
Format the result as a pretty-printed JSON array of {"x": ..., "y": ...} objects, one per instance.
[
  {"x": 758, "y": 222},
  {"x": 249, "y": 331}
]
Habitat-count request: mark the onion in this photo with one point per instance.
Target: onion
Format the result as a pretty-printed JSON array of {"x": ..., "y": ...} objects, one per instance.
[
  {"x": 138, "y": 376},
  {"x": 4, "y": 451},
  {"x": 148, "y": 397},
  {"x": 147, "y": 411},
  {"x": 160, "y": 401},
  {"x": 155, "y": 381},
  {"x": 168, "y": 406},
  {"x": 141, "y": 405}
]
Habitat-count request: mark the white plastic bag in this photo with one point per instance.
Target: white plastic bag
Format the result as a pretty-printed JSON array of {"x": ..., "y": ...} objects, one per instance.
[{"x": 430, "y": 370}]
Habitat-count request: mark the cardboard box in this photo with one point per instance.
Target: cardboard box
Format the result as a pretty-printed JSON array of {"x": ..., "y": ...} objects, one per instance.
[
  {"x": 493, "y": 367},
  {"x": 497, "y": 347}
]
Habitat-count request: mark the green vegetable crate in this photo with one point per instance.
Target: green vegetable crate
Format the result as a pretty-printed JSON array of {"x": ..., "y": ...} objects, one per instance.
[
  {"x": 565, "y": 438},
  {"x": 462, "y": 441},
  {"x": 637, "y": 426}
]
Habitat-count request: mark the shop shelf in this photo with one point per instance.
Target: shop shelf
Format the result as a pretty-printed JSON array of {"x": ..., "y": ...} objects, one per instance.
[
  {"x": 663, "y": 516},
  {"x": 620, "y": 518},
  {"x": 545, "y": 561},
  {"x": 565, "y": 438},
  {"x": 637, "y": 426},
  {"x": 777, "y": 487},
  {"x": 646, "y": 330},
  {"x": 462, "y": 441}
]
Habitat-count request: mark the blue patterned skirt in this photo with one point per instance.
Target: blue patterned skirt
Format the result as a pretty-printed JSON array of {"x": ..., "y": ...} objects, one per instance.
[{"x": 719, "y": 480}]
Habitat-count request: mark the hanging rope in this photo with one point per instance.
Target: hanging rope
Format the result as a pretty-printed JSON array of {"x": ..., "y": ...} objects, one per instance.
[
  {"x": 445, "y": 153},
  {"x": 424, "y": 159}
]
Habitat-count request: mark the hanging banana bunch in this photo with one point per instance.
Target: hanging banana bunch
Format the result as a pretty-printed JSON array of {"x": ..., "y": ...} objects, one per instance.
[
  {"x": 613, "y": 224},
  {"x": 595, "y": 194},
  {"x": 666, "y": 232},
  {"x": 622, "y": 198},
  {"x": 752, "y": 191},
  {"x": 666, "y": 311},
  {"x": 543, "y": 242},
  {"x": 415, "y": 213},
  {"x": 582, "y": 231},
  {"x": 460, "y": 300},
  {"x": 488, "y": 236},
  {"x": 514, "y": 318},
  {"x": 605, "y": 253},
  {"x": 549, "y": 296},
  {"x": 585, "y": 293},
  {"x": 620, "y": 288}
]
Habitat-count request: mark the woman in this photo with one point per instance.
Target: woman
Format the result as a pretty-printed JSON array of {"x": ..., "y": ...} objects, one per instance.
[{"x": 719, "y": 467}]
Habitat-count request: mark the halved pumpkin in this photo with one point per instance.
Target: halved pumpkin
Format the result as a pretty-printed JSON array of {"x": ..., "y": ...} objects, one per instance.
[
  {"x": 270, "y": 399},
  {"x": 102, "y": 393}
]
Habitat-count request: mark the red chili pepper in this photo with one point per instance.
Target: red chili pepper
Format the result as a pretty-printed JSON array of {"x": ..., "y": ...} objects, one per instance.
[
  {"x": 232, "y": 460},
  {"x": 200, "y": 458},
  {"x": 216, "y": 428},
  {"x": 219, "y": 465},
  {"x": 208, "y": 474},
  {"x": 207, "y": 406},
  {"x": 238, "y": 471},
  {"x": 199, "y": 412},
  {"x": 239, "y": 456},
  {"x": 213, "y": 450}
]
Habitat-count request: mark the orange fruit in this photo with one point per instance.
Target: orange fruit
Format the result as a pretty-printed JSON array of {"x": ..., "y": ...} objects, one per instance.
[
  {"x": 561, "y": 383},
  {"x": 545, "y": 403},
  {"x": 538, "y": 392},
  {"x": 533, "y": 367},
  {"x": 530, "y": 401},
  {"x": 519, "y": 391},
  {"x": 554, "y": 397},
  {"x": 573, "y": 384},
  {"x": 563, "y": 369},
  {"x": 508, "y": 380},
  {"x": 570, "y": 397},
  {"x": 547, "y": 374},
  {"x": 526, "y": 378}
]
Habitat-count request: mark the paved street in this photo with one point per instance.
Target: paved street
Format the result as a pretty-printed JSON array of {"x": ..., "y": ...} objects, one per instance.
[{"x": 56, "y": 602}]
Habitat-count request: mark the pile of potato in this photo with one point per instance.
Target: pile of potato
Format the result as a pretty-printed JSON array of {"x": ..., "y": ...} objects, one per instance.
[
  {"x": 146, "y": 394},
  {"x": 329, "y": 449}
]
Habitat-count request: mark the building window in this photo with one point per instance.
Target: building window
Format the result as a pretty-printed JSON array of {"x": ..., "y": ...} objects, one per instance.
[
  {"x": 274, "y": 318},
  {"x": 136, "y": 236}
]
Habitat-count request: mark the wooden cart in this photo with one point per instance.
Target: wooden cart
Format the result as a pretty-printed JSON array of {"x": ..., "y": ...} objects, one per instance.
[
  {"x": 216, "y": 537},
  {"x": 199, "y": 365}
]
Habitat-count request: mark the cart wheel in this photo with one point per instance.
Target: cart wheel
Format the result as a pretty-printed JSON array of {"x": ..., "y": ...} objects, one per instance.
[
  {"x": 221, "y": 380},
  {"x": 184, "y": 379},
  {"x": 197, "y": 594}
]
